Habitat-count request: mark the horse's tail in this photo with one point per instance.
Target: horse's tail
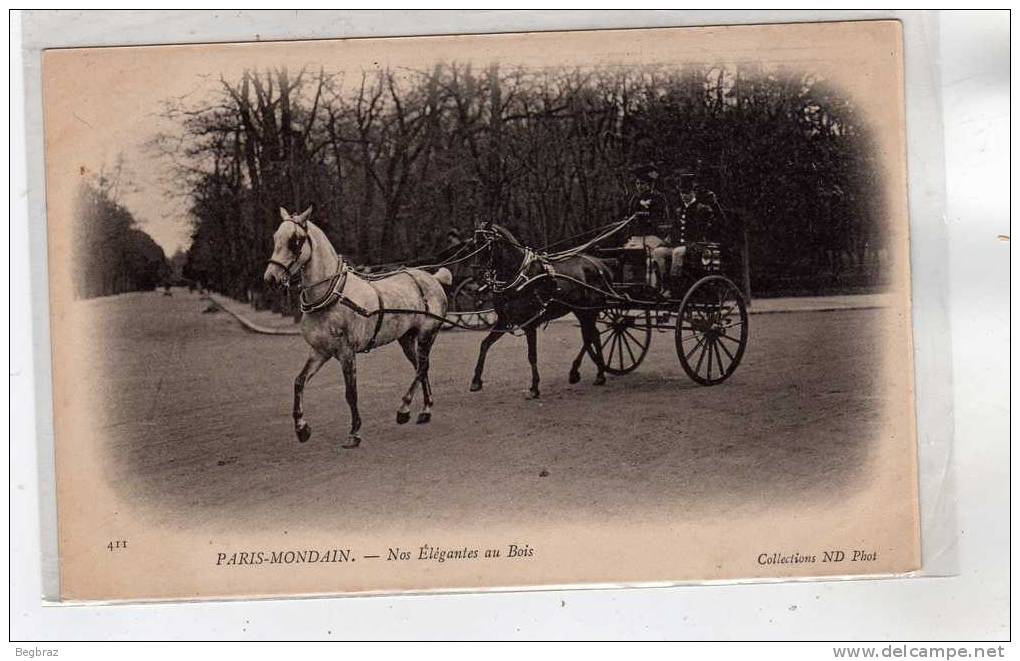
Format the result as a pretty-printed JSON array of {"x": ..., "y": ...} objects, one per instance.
[{"x": 444, "y": 276}]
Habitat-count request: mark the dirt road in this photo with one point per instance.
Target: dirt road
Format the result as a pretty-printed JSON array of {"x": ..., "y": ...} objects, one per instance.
[{"x": 199, "y": 428}]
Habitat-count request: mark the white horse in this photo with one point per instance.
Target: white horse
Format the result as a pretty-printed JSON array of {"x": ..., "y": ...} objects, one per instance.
[{"x": 344, "y": 313}]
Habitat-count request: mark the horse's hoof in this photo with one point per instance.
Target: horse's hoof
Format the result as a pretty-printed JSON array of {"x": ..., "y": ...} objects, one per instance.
[
  {"x": 533, "y": 394},
  {"x": 353, "y": 441},
  {"x": 600, "y": 381},
  {"x": 403, "y": 416},
  {"x": 574, "y": 377},
  {"x": 304, "y": 433},
  {"x": 476, "y": 386},
  {"x": 424, "y": 417}
]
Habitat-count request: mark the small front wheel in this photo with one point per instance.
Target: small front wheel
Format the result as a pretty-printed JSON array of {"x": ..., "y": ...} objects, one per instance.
[
  {"x": 711, "y": 330},
  {"x": 625, "y": 336}
]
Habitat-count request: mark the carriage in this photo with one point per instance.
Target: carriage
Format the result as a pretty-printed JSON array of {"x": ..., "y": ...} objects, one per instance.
[
  {"x": 706, "y": 312},
  {"x": 470, "y": 303},
  {"x": 610, "y": 291}
]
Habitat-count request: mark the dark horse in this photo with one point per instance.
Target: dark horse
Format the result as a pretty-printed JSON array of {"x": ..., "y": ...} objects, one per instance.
[{"x": 530, "y": 289}]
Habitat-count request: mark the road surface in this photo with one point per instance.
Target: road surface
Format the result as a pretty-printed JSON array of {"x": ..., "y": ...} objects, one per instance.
[{"x": 198, "y": 423}]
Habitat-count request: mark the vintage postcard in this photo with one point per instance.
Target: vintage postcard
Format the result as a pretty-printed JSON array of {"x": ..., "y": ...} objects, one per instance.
[{"x": 481, "y": 312}]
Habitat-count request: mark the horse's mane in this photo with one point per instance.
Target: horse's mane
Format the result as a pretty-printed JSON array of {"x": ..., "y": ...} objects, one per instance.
[
  {"x": 325, "y": 237},
  {"x": 507, "y": 235}
]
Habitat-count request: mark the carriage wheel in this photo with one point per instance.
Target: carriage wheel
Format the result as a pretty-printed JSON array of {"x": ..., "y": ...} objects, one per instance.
[
  {"x": 625, "y": 336},
  {"x": 472, "y": 308},
  {"x": 711, "y": 330}
]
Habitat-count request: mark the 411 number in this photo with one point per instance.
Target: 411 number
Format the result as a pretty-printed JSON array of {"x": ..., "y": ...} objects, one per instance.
[{"x": 116, "y": 545}]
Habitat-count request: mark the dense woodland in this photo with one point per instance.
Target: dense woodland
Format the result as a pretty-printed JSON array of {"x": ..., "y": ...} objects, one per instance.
[
  {"x": 113, "y": 255},
  {"x": 394, "y": 158}
]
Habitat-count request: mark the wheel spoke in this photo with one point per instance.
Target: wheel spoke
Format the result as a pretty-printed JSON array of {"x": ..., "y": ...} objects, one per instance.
[
  {"x": 723, "y": 347},
  {"x": 613, "y": 348},
  {"x": 694, "y": 348},
  {"x": 636, "y": 340},
  {"x": 608, "y": 335},
  {"x": 718, "y": 357},
  {"x": 626, "y": 343},
  {"x": 701, "y": 357}
]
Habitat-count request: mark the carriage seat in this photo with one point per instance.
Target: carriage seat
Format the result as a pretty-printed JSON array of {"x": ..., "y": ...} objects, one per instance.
[{"x": 628, "y": 264}]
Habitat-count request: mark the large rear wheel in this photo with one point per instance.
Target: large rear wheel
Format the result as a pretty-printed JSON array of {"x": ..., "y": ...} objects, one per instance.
[{"x": 711, "y": 330}]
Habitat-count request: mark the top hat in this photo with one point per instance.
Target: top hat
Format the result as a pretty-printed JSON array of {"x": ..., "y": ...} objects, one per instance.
[{"x": 685, "y": 180}]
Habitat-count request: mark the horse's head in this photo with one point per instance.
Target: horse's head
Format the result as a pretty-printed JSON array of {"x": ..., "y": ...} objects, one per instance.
[
  {"x": 291, "y": 249},
  {"x": 500, "y": 252}
]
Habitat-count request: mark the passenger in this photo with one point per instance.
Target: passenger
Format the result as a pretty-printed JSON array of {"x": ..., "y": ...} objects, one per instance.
[
  {"x": 649, "y": 206},
  {"x": 692, "y": 216}
]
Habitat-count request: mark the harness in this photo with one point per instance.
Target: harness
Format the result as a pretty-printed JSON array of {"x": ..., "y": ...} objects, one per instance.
[
  {"x": 335, "y": 295},
  {"x": 522, "y": 279},
  {"x": 332, "y": 295},
  {"x": 380, "y": 310},
  {"x": 338, "y": 282}
]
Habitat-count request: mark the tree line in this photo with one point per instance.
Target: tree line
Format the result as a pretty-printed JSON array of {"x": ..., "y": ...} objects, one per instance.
[
  {"x": 394, "y": 158},
  {"x": 112, "y": 255}
]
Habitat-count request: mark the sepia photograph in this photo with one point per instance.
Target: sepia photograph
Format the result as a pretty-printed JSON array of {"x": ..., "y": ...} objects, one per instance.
[{"x": 617, "y": 307}]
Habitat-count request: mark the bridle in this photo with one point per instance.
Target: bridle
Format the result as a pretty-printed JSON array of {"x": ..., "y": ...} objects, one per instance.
[
  {"x": 492, "y": 237},
  {"x": 486, "y": 238},
  {"x": 297, "y": 250},
  {"x": 337, "y": 281}
]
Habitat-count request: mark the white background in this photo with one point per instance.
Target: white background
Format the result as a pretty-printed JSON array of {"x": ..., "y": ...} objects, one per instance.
[{"x": 971, "y": 605}]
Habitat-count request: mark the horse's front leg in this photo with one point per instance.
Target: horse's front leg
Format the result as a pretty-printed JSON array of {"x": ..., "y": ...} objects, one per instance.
[
  {"x": 315, "y": 361},
  {"x": 351, "y": 391},
  {"x": 490, "y": 339},
  {"x": 532, "y": 334}
]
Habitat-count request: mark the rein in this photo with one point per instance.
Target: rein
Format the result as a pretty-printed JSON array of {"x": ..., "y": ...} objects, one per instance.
[
  {"x": 522, "y": 280},
  {"x": 338, "y": 281}
]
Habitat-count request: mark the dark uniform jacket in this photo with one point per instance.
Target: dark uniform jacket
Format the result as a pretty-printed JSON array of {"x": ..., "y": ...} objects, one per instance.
[
  {"x": 651, "y": 208},
  {"x": 693, "y": 222}
]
